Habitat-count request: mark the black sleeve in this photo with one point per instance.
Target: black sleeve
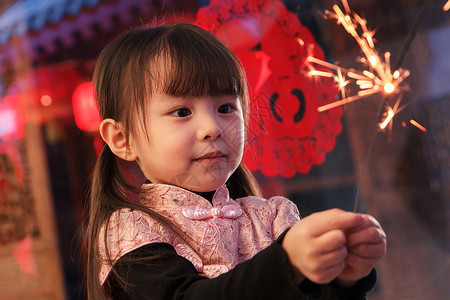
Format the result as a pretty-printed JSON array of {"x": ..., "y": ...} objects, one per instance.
[
  {"x": 334, "y": 291},
  {"x": 156, "y": 271},
  {"x": 170, "y": 276}
]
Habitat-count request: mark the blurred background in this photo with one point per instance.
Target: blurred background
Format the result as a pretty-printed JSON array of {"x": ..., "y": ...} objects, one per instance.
[{"x": 353, "y": 156}]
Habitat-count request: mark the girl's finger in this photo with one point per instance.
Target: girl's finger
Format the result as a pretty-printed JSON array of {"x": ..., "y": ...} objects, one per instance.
[
  {"x": 372, "y": 235},
  {"x": 328, "y": 274},
  {"x": 330, "y": 241},
  {"x": 333, "y": 257},
  {"x": 358, "y": 262},
  {"x": 322, "y": 222},
  {"x": 373, "y": 220},
  {"x": 369, "y": 251},
  {"x": 357, "y": 267}
]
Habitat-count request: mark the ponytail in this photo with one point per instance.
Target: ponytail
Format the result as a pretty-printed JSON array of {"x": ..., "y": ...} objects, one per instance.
[
  {"x": 110, "y": 191},
  {"x": 99, "y": 208}
]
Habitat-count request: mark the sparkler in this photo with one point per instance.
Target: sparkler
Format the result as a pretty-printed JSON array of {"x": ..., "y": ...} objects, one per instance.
[
  {"x": 392, "y": 111},
  {"x": 377, "y": 78},
  {"x": 390, "y": 114}
]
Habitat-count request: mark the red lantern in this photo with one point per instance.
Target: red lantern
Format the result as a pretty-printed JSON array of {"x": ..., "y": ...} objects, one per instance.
[
  {"x": 286, "y": 134},
  {"x": 46, "y": 91},
  {"x": 85, "y": 110}
]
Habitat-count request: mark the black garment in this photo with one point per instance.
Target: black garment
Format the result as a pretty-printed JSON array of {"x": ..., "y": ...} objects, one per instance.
[{"x": 266, "y": 276}]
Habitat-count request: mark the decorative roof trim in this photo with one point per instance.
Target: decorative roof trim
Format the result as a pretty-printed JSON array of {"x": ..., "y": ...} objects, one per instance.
[
  {"x": 32, "y": 45},
  {"x": 31, "y": 15}
]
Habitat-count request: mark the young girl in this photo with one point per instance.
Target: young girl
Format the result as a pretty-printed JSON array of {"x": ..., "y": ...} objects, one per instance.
[{"x": 174, "y": 100}]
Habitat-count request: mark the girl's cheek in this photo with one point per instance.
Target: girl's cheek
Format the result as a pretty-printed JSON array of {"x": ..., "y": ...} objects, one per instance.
[{"x": 235, "y": 133}]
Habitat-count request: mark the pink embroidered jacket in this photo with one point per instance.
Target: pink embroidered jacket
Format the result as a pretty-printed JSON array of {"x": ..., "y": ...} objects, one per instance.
[{"x": 225, "y": 232}]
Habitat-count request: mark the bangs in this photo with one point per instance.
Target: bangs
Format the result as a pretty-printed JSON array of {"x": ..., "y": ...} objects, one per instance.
[
  {"x": 180, "y": 60},
  {"x": 194, "y": 63}
]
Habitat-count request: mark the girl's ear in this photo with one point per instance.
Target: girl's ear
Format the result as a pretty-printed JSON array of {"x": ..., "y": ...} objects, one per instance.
[{"x": 112, "y": 134}]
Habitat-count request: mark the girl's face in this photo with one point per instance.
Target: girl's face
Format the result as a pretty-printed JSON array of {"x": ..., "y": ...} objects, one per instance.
[{"x": 194, "y": 143}]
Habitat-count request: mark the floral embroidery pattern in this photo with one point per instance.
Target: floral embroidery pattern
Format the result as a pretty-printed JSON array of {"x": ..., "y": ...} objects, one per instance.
[{"x": 224, "y": 232}]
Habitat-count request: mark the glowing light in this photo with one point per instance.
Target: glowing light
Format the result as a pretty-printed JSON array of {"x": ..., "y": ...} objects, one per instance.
[
  {"x": 389, "y": 88},
  {"x": 9, "y": 122},
  {"x": 373, "y": 60},
  {"x": 85, "y": 110},
  {"x": 417, "y": 124},
  {"x": 378, "y": 76},
  {"x": 320, "y": 73},
  {"x": 396, "y": 74},
  {"x": 447, "y": 5},
  {"x": 11, "y": 118},
  {"x": 390, "y": 115},
  {"x": 391, "y": 112},
  {"x": 342, "y": 84},
  {"x": 46, "y": 100},
  {"x": 346, "y": 6},
  {"x": 23, "y": 254}
]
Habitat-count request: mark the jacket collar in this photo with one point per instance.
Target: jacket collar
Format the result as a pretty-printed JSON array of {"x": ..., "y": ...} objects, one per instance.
[{"x": 158, "y": 195}]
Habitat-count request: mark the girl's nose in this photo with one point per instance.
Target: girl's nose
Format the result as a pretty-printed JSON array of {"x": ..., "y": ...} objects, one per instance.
[{"x": 209, "y": 129}]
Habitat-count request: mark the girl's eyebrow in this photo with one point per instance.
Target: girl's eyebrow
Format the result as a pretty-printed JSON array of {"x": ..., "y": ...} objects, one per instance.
[
  {"x": 168, "y": 98},
  {"x": 168, "y": 102}
]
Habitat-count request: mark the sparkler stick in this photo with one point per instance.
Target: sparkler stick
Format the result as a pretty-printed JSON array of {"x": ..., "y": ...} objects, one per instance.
[{"x": 415, "y": 29}]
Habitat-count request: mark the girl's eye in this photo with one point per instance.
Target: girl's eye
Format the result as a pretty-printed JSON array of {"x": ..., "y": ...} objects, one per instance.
[
  {"x": 225, "y": 109},
  {"x": 181, "y": 112}
]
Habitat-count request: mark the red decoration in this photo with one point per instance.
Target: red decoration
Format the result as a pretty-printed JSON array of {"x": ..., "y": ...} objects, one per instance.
[
  {"x": 85, "y": 110},
  {"x": 12, "y": 124},
  {"x": 46, "y": 91},
  {"x": 23, "y": 254},
  {"x": 286, "y": 134}
]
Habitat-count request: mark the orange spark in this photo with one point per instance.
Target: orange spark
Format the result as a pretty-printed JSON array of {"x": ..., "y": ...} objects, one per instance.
[
  {"x": 390, "y": 115},
  {"x": 378, "y": 76},
  {"x": 417, "y": 124},
  {"x": 320, "y": 73},
  {"x": 347, "y": 7}
]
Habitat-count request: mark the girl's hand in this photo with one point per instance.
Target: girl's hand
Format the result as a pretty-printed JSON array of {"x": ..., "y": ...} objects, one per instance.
[
  {"x": 317, "y": 245},
  {"x": 366, "y": 246}
]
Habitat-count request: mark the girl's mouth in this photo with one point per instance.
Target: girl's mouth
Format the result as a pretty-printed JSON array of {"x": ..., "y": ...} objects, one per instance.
[{"x": 211, "y": 158}]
